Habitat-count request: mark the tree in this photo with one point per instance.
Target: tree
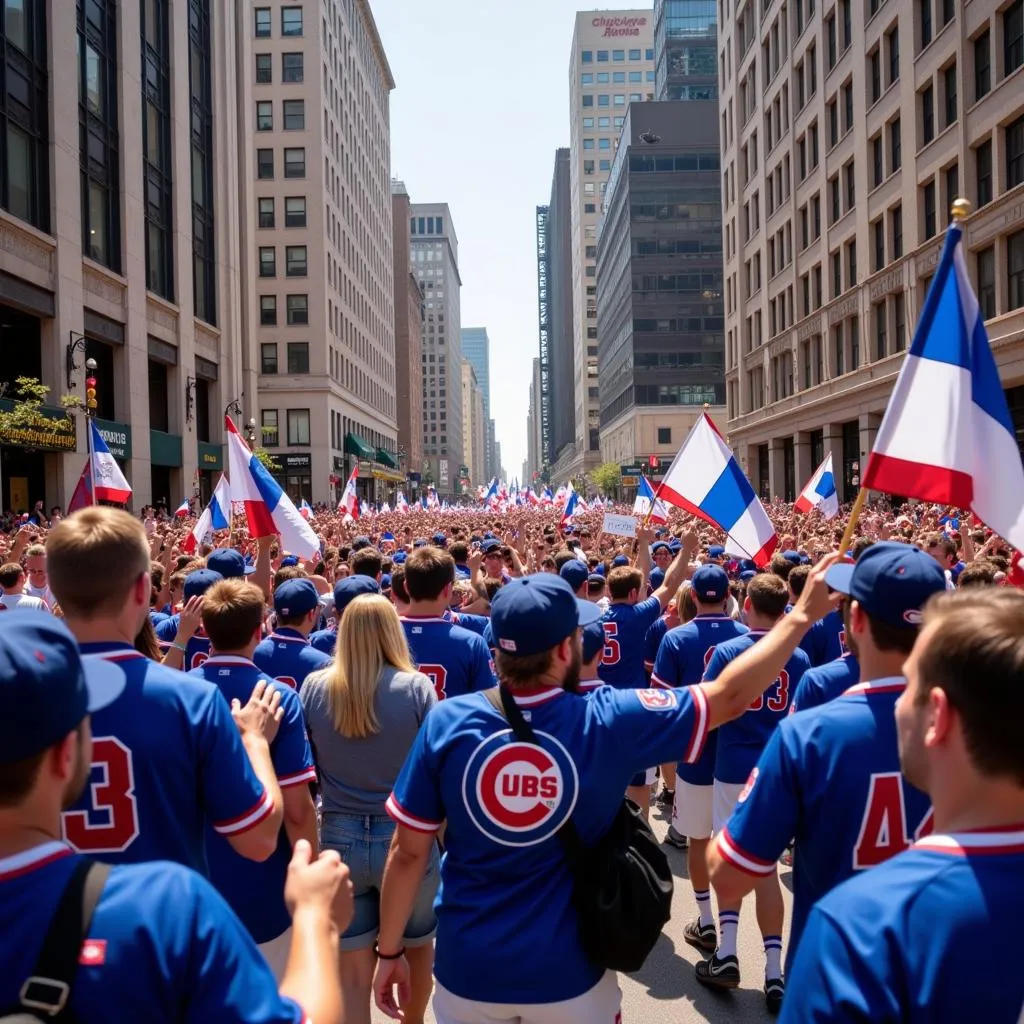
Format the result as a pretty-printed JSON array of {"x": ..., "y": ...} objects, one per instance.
[
  {"x": 270, "y": 464},
  {"x": 606, "y": 478},
  {"x": 26, "y": 399}
]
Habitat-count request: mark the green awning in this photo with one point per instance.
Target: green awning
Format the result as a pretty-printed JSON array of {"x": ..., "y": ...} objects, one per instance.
[
  {"x": 385, "y": 458},
  {"x": 355, "y": 445}
]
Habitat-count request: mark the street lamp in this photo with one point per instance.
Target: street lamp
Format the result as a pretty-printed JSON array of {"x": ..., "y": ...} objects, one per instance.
[
  {"x": 233, "y": 407},
  {"x": 250, "y": 432}
]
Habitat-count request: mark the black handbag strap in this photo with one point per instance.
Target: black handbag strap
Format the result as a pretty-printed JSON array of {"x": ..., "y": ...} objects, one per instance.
[
  {"x": 506, "y": 706},
  {"x": 48, "y": 990}
]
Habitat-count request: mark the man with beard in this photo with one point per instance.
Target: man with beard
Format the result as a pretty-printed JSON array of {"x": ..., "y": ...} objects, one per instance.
[
  {"x": 134, "y": 942},
  {"x": 508, "y": 946},
  {"x": 829, "y": 777},
  {"x": 911, "y": 940}
]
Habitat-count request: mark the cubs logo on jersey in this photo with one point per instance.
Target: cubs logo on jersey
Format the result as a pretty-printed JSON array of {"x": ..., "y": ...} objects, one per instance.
[
  {"x": 519, "y": 794},
  {"x": 657, "y": 700}
]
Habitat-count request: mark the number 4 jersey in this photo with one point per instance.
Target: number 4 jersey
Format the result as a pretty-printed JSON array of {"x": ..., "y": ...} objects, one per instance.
[
  {"x": 166, "y": 758},
  {"x": 830, "y": 778}
]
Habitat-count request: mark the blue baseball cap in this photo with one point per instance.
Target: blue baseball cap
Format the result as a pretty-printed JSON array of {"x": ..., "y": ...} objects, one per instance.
[
  {"x": 716, "y": 551},
  {"x": 46, "y": 684},
  {"x": 536, "y": 613},
  {"x": 596, "y": 578},
  {"x": 348, "y": 589},
  {"x": 385, "y": 581},
  {"x": 599, "y": 569},
  {"x": 399, "y": 557},
  {"x": 229, "y": 563},
  {"x": 361, "y": 542},
  {"x": 619, "y": 560},
  {"x": 675, "y": 545},
  {"x": 792, "y": 556},
  {"x": 288, "y": 561},
  {"x": 419, "y": 542},
  {"x": 892, "y": 582},
  {"x": 661, "y": 545},
  {"x": 387, "y": 535},
  {"x": 490, "y": 546},
  {"x": 710, "y": 583},
  {"x": 657, "y": 577},
  {"x": 747, "y": 575},
  {"x": 575, "y": 573},
  {"x": 440, "y": 540},
  {"x": 593, "y": 640},
  {"x": 295, "y": 597},
  {"x": 199, "y": 582}
]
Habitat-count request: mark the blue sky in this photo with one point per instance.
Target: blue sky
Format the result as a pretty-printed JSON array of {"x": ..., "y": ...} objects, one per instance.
[{"x": 480, "y": 105}]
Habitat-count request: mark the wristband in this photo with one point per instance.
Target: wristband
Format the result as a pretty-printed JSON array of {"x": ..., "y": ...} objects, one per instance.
[
  {"x": 179, "y": 647},
  {"x": 393, "y": 956}
]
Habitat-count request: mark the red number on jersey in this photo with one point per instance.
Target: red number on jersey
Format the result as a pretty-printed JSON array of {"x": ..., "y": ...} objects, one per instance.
[
  {"x": 438, "y": 675},
  {"x": 612, "y": 653},
  {"x": 781, "y": 698},
  {"x": 287, "y": 680},
  {"x": 113, "y": 802},
  {"x": 883, "y": 828},
  {"x": 199, "y": 657}
]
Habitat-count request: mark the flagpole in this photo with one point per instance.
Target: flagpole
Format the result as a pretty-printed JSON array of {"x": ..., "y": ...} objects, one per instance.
[{"x": 88, "y": 445}]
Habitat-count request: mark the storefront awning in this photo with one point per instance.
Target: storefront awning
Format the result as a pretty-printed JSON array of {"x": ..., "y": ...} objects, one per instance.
[
  {"x": 355, "y": 445},
  {"x": 388, "y": 475},
  {"x": 385, "y": 458}
]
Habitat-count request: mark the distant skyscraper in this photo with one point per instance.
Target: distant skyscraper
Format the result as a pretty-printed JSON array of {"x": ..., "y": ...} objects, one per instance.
[
  {"x": 476, "y": 349},
  {"x": 611, "y": 66},
  {"x": 685, "y": 45},
  {"x": 435, "y": 262}
]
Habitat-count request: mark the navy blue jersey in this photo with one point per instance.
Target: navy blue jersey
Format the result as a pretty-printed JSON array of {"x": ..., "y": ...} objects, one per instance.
[
  {"x": 683, "y": 656},
  {"x": 904, "y": 942},
  {"x": 162, "y": 946},
  {"x": 255, "y": 890},
  {"x": 825, "y": 683},
  {"x": 625, "y": 630},
  {"x": 166, "y": 759},
  {"x": 506, "y": 891},
  {"x": 652, "y": 641},
  {"x": 455, "y": 660},
  {"x": 197, "y": 648},
  {"x": 741, "y": 741},
  {"x": 474, "y": 623},
  {"x": 830, "y": 779},
  {"x": 825, "y": 640},
  {"x": 287, "y": 656}
]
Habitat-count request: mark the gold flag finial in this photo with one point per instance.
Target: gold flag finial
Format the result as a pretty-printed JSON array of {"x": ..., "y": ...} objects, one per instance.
[{"x": 960, "y": 209}]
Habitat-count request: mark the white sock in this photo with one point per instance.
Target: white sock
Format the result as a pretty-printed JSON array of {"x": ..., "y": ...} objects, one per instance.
[
  {"x": 728, "y": 923},
  {"x": 704, "y": 907},
  {"x": 772, "y": 957}
]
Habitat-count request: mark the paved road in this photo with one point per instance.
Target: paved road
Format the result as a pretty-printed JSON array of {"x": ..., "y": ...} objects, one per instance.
[{"x": 666, "y": 990}]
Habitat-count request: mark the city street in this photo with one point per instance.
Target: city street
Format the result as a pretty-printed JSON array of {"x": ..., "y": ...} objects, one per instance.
[{"x": 666, "y": 990}]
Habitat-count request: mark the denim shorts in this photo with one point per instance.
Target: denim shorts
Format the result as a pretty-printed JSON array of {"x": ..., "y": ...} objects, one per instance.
[{"x": 363, "y": 842}]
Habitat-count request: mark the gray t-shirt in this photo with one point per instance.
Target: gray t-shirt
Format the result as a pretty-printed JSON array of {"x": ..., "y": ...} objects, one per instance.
[{"x": 357, "y": 775}]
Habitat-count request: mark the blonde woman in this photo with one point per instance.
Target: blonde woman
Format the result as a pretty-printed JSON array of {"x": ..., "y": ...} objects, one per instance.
[{"x": 363, "y": 712}]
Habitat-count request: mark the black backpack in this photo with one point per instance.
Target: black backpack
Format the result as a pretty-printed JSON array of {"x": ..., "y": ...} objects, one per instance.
[
  {"x": 46, "y": 994},
  {"x": 622, "y": 886}
]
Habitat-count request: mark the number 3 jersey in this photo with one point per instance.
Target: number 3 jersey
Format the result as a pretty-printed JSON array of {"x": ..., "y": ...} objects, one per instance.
[
  {"x": 166, "y": 758},
  {"x": 455, "y": 660},
  {"x": 507, "y": 932},
  {"x": 830, "y": 778}
]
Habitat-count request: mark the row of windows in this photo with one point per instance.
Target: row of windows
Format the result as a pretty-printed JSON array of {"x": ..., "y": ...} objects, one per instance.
[
  {"x": 617, "y": 56},
  {"x": 616, "y": 78},
  {"x": 292, "y": 68},
  {"x": 297, "y": 421},
  {"x": 613, "y": 99},
  {"x": 604, "y": 122},
  {"x": 296, "y": 310},
  {"x": 294, "y": 212},
  {"x": 297, "y": 354},
  {"x": 291, "y": 22},
  {"x": 426, "y": 226},
  {"x": 296, "y": 263},
  {"x": 294, "y": 163},
  {"x": 293, "y": 115}
]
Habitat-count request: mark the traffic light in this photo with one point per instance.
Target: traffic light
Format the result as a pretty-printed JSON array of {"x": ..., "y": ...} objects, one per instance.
[
  {"x": 90, "y": 394},
  {"x": 654, "y": 462}
]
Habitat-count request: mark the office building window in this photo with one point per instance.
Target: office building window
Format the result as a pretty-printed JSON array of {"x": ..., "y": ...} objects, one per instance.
[
  {"x": 878, "y": 236},
  {"x": 268, "y": 310},
  {"x": 987, "y": 282},
  {"x": 837, "y": 344},
  {"x": 298, "y": 357},
  {"x": 892, "y": 45},
  {"x": 952, "y": 176},
  {"x": 268, "y": 357},
  {"x": 1015, "y": 153},
  {"x": 949, "y": 89},
  {"x": 982, "y": 65},
  {"x": 854, "y": 343},
  {"x": 895, "y": 146},
  {"x": 587, "y": 57},
  {"x": 203, "y": 256},
  {"x": 983, "y": 172},
  {"x": 294, "y": 115},
  {"x": 291, "y": 21},
  {"x": 268, "y": 261},
  {"x": 99, "y": 138},
  {"x": 264, "y": 116},
  {"x": 298, "y": 426},
  {"x": 877, "y": 161},
  {"x": 295, "y": 163},
  {"x": 1015, "y": 264},
  {"x": 297, "y": 310},
  {"x": 927, "y": 115},
  {"x": 266, "y": 213},
  {"x": 264, "y": 164},
  {"x": 156, "y": 149},
  {"x": 270, "y": 437},
  {"x": 928, "y": 208},
  {"x": 264, "y": 69},
  {"x": 1013, "y": 37},
  {"x": 292, "y": 67},
  {"x": 295, "y": 212},
  {"x": 664, "y": 435},
  {"x": 295, "y": 261},
  {"x": 875, "y": 74},
  {"x": 880, "y": 330},
  {"x": 900, "y": 320},
  {"x": 262, "y": 15},
  {"x": 924, "y": 9},
  {"x": 851, "y": 264},
  {"x": 897, "y": 232}
]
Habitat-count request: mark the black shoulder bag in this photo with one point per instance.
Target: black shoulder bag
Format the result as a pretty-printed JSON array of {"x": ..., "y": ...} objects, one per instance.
[
  {"x": 622, "y": 886},
  {"x": 46, "y": 994}
]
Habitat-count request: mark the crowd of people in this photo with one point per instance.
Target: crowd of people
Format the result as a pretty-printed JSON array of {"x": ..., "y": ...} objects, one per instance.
[{"x": 240, "y": 784}]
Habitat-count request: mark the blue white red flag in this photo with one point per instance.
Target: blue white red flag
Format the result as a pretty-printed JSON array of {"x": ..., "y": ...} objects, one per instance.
[
  {"x": 647, "y": 505},
  {"x": 306, "y": 510},
  {"x": 947, "y": 435},
  {"x": 570, "y": 505},
  {"x": 820, "y": 492},
  {"x": 216, "y": 516},
  {"x": 183, "y": 510},
  {"x": 108, "y": 482}
]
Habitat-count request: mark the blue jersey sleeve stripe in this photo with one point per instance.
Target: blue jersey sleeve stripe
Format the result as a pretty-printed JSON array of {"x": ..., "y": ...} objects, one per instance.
[
  {"x": 250, "y": 819},
  {"x": 306, "y": 775},
  {"x": 739, "y": 858},
  {"x": 700, "y": 724},
  {"x": 403, "y": 817}
]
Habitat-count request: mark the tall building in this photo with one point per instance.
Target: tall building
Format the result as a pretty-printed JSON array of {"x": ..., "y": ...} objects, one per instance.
[
  {"x": 316, "y": 227},
  {"x": 611, "y": 66},
  {"x": 848, "y": 129},
  {"x": 118, "y": 239},
  {"x": 534, "y": 427},
  {"x": 408, "y": 341},
  {"x": 659, "y": 282},
  {"x": 435, "y": 261},
  {"x": 685, "y": 49},
  {"x": 474, "y": 434},
  {"x": 561, "y": 366},
  {"x": 476, "y": 349}
]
